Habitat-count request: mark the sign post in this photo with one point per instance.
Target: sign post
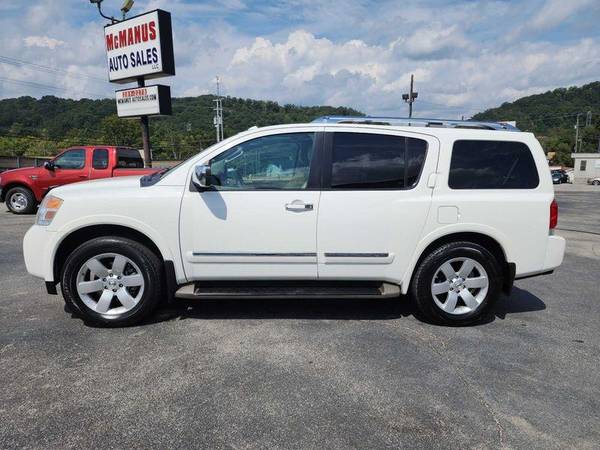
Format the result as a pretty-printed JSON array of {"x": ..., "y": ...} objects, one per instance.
[{"x": 137, "y": 49}]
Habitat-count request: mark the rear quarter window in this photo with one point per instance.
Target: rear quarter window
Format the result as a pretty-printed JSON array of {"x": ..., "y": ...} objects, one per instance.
[
  {"x": 129, "y": 158},
  {"x": 492, "y": 165}
]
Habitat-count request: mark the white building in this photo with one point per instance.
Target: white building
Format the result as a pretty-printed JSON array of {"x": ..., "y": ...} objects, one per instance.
[{"x": 586, "y": 165}]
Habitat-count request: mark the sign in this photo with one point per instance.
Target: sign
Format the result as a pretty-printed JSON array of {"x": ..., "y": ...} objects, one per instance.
[
  {"x": 140, "y": 47},
  {"x": 144, "y": 101}
]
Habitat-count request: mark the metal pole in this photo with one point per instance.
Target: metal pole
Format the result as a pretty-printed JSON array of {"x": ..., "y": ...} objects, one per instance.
[
  {"x": 145, "y": 132},
  {"x": 577, "y": 132},
  {"x": 410, "y": 101}
]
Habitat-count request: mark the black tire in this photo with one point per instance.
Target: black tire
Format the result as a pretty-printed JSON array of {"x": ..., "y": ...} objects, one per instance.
[
  {"x": 596, "y": 183},
  {"x": 26, "y": 195},
  {"x": 421, "y": 285},
  {"x": 150, "y": 267}
]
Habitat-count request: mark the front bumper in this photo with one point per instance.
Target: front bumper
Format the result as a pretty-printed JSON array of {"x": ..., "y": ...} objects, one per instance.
[{"x": 38, "y": 251}]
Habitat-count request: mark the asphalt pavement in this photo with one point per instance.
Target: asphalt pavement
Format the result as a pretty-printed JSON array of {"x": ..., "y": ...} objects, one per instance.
[{"x": 309, "y": 374}]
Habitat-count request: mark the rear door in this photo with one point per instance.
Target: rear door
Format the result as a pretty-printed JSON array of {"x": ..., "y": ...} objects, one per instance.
[
  {"x": 100, "y": 164},
  {"x": 374, "y": 202}
]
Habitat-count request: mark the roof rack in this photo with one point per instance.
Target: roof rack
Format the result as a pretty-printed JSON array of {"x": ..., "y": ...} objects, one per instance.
[{"x": 417, "y": 122}]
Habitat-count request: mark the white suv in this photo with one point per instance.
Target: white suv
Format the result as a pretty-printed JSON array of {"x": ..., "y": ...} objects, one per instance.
[{"x": 449, "y": 212}]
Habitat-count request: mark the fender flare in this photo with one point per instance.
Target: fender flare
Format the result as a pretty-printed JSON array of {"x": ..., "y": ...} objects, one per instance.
[{"x": 447, "y": 230}]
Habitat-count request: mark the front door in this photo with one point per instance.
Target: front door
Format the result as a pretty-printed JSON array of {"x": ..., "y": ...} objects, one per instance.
[
  {"x": 259, "y": 219},
  {"x": 69, "y": 167},
  {"x": 374, "y": 203}
]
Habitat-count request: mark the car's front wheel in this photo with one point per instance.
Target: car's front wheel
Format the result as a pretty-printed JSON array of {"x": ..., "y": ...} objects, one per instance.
[
  {"x": 20, "y": 200},
  {"x": 457, "y": 283},
  {"x": 596, "y": 182},
  {"x": 112, "y": 281}
]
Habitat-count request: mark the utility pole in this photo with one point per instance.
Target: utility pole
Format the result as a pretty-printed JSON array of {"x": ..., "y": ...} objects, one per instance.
[
  {"x": 410, "y": 97},
  {"x": 577, "y": 132},
  {"x": 218, "y": 118},
  {"x": 145, "y": 131},
  {"x": 588, "y": 122}
]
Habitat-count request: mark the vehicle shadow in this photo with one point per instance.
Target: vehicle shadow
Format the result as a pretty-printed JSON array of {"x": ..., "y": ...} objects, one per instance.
[
  {"x": 282, "y": 308},
  {"x": 519, "y": 301}
]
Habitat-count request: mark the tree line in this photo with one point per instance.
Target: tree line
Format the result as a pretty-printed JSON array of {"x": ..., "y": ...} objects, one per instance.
[
  {"x": 40, "y": 127},
  {"x": 552, "y": 117}
]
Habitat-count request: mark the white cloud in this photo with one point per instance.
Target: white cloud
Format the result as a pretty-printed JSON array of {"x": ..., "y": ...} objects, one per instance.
[
  {"x": 43, "y": 42},
  {"x": 435, "y": 41},
  {"x": 553, "y": 12},
  {"x": 312, "y": 52}
]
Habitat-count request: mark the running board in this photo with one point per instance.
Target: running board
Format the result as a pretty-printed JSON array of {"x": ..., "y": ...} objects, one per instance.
[{"x": 288, "y": 289}]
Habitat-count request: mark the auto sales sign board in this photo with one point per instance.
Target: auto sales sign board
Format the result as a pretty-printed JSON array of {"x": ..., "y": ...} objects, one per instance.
[
  {"x": 140, "y": 47},
  {"x": 144, "y": 101}
]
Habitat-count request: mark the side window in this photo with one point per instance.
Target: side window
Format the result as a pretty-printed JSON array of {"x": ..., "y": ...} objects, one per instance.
[
  {"x": 100, "y": 158},
  {"x": 583, "y": 165},
  {"x": 129, "y": 158},
  {"x": 376, "y": 161},
  {"x": 71, "y": 159},
  {"x": 281, "y": 161},
  {"x": 492, "y": 165}
]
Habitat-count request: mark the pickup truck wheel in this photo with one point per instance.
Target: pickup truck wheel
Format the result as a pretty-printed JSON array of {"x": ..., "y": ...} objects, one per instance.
[
  {"x": 457, "y": 284},
  {"x": 20, "y": 200},
  {"x": 112, "y": 281}
]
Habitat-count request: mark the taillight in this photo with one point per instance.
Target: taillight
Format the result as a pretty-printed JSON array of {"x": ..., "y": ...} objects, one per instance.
[{"x": 553, "y": 214}]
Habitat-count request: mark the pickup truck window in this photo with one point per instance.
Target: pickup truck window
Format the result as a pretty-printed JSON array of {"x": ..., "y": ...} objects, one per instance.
[
  {"x": 100, "y": 158},
  {"x": 492, "y": 165},
  {"x": 71, "y": 159},
  {"x": 129, "y": 158},
  {"x": 376, "y": 161},
  {"x": 276, "y": 162}
]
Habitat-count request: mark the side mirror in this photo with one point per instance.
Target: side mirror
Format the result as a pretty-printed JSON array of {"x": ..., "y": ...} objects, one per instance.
[
  {"x": 49, "y": 165},
  {"x": 201, "y": 177}
]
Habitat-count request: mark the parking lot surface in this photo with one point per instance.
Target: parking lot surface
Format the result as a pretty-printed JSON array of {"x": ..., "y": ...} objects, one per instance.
[{"x": 308, "y": 373}]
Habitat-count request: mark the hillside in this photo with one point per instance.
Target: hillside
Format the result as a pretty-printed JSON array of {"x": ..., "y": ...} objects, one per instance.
[
  {"x": 552, "y": 116},
  {"x": 31, "y": 126}
]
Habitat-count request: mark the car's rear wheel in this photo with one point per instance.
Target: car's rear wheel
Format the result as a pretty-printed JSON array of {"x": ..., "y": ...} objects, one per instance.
[
  {"x": 20, "y": 200},
  {"x": 112, "y": 281},
  {"x": 596, "y": 182},
  {"x": 457, "y": 283}
]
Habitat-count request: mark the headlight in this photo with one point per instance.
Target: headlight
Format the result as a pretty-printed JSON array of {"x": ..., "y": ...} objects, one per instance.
[{"x": 48, "y": 209}]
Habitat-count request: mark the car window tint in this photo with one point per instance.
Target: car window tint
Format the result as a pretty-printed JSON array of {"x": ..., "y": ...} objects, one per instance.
[
  {"x": 71, "y": 159},
  {"x": 280, "y": 161},
  {"x": 492, "y": 165},
  {"x": 100, "y": 158},
  {"x": 129, "y": 158},
  {"x": 376, "y": 161}
]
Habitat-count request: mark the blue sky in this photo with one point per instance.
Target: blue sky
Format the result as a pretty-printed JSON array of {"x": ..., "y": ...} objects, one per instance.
[{"x": 466, "y": 55}]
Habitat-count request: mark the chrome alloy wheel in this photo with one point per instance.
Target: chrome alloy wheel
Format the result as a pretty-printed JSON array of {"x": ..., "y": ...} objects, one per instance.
[
  {"x": 110, "y": 284},
  {"x": 459, "y": 286},
  {"x": 18, "y": 201}
]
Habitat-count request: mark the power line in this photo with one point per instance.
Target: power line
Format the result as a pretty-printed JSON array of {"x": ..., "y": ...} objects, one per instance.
[
  {"x": 48, "y": 69},
  {"x": 35, "y": 85}
]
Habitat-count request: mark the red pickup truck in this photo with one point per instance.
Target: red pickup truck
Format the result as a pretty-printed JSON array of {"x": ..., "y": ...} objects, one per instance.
[{"x": 22, "y": 189}]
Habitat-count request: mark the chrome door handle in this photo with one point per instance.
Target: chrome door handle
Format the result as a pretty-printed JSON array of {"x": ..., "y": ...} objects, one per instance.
[{"x": 299, "y": 206}]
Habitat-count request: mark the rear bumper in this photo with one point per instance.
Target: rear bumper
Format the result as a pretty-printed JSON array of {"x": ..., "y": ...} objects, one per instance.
[{"x": 555, "y": 252}]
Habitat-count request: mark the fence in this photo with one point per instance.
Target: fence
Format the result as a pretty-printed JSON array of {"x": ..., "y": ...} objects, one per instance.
[{"x": 15, "y": 162}]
